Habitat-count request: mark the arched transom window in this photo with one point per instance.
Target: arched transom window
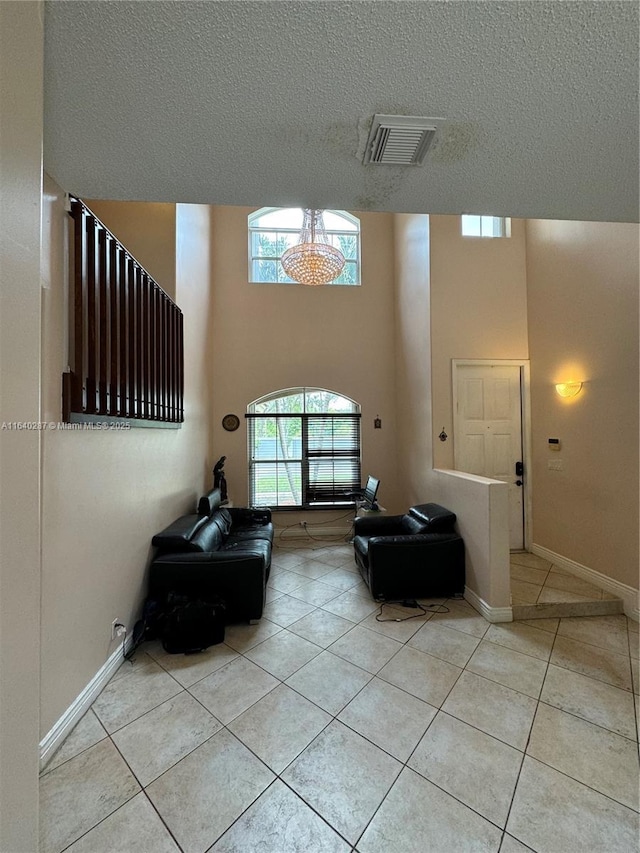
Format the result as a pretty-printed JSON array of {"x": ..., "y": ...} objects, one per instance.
[
  {"x": 272, "y": 230},
  {"x": 304, "y": 449}
]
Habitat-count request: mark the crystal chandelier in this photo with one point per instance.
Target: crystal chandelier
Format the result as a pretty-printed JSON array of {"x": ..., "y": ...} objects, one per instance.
[{"x": 313, "y": 260}]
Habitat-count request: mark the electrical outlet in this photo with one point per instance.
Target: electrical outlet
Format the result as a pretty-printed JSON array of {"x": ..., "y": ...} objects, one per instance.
[{"x": 118, "y": 628}]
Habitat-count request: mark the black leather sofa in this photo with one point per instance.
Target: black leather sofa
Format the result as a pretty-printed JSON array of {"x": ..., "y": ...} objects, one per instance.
[
  {"x": 415, "y": 555},
  {"x": 218, "y": 552}
]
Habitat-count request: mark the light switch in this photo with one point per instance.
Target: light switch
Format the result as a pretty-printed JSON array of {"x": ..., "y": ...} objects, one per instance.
[{"x": 555, "y": 465}]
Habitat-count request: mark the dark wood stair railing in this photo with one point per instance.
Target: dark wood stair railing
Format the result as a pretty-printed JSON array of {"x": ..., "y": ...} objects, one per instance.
[{"x": 126, "y": 345}]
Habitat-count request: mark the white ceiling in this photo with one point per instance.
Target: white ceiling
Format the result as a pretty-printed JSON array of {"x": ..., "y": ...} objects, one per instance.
[{"x": 269, "y": 103}]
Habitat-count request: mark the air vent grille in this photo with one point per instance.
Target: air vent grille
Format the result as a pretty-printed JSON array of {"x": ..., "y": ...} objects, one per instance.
[{"x": 400, "y": 140}]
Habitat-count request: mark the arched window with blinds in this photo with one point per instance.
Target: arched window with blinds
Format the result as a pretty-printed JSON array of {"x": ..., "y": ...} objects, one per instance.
[{"x": 304, "y": 449}]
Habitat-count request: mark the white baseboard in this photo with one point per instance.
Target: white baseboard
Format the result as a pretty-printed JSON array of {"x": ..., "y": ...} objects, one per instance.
[
  {"x": 311, "y": 533},
  {"x": 491, "y": 614},
  {"x": 78, "y": 708},
  {"x": 628, "y": 594}
]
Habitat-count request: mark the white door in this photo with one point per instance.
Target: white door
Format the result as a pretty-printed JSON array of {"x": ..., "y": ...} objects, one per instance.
[{"x": 488, "y": 432}]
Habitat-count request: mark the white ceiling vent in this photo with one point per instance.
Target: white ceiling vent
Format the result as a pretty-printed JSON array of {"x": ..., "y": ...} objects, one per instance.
[{"x": 400, "y": 140}]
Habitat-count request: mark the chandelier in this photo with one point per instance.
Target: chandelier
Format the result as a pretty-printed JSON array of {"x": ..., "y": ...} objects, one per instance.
[{"x": 313, "y": 260}]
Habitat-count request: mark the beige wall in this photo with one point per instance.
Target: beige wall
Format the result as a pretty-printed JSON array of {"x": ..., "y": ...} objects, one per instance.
[
  {"x": 149, "y": 233},
  {"x": 105, "y": 493},
  {"x": 583, "y": 325},
  {"x": 413, "y": 357},
  {"x": 478, "y": 309},
  {"x": 21, "y": 60},
  {"x": 270, "y": 336}
]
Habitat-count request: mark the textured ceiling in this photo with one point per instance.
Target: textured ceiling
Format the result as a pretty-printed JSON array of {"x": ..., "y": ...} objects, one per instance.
[{"x": 269, "y": 103}]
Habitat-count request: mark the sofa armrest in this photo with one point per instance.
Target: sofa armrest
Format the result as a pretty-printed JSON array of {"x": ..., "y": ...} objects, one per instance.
[
  {"x": 432, "y": 564},
  {"x": 238, "y": 578},
  {"x": 177, "y": 536},
  {"x": 382, "y": 525}
]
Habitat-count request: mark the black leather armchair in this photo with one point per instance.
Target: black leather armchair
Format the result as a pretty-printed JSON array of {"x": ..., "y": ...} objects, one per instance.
[{"x": 415, "y": 555}]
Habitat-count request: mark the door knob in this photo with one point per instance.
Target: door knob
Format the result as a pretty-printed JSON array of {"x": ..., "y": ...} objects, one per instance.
[{"x": 518, "y": 482}]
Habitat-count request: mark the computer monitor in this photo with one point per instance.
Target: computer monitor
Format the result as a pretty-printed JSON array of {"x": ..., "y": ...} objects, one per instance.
[{"x": 370, "y": 492}]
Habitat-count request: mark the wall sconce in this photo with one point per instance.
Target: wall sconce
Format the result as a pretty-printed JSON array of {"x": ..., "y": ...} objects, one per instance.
[{"x": 569, "y": 389}]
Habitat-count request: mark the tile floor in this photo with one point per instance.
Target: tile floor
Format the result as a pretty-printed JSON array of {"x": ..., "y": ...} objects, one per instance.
[
  {"x": 322, "y": 730},
  {"x": 539, "y": 588}
]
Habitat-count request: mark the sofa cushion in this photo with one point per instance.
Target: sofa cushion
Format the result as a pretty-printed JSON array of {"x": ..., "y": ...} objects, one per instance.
[
  {"x": 254, "y": 548},
  {"x": 433, "y": 517},
  {"x": 208, "y": 538},
  {"x": 248, "y": 534}
]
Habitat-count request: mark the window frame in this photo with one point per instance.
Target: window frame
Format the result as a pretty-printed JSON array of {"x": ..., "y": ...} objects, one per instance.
[
  {"x": 263, "y": 211},
  {"x": 311, "y": 487},
  {"x": 504, "y": 226}
]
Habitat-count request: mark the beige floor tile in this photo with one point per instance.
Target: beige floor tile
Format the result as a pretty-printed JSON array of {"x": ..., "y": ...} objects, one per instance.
[
  {"x": 550, "y": 625},
  {"x": 496, "y": 710},
  {"x": 509, "y": 668},
  {"x": 156, "y": 741},
  {"x": 351, "y": 606},
  {"x": 426, "y": 819},
  {"x": 595, "y": 662},
  {"x": 472, "y": 766},
  {"x": 462, "y": 617},
  {"x": 570, "y": 583},
  {"x": 187, "y": 669},
  {"x": 283, "y": 654},
  {"x": 338, "y": 556},
  {"x": 633, "y": 626},
  {"x": 243, "y": 636},
  {"x": 287, "y": 558},
  {"x": 450, "y": 645},
  {"x": 202, "y": 795},
  {"x": 394, "y": 623},
  {"x": 81, "y": 792},
  {"x": 530, "y": 560},
  {"x": 552, "y": 596},
  {"x": 554, "y": 813},
  {"x": 593, "y": 700},
  {"x": 234, "y": 688},
  {"x": 522, "y": 638},
  {"x": 134, "y": 826},
  {"x": 271, "y": 594},
  {"x": 512, "y": 845},
  {"x": 285, "y": 581},
  {"x": 366, "y": 649},
  {"x": 342, "y": 579},
  {"x": 600, "y": 759},
  {"x": 388, "y": 717},
  {"x": 313, "y": 569},
  {"x": 280, "y": 821},
  {"x": 279, "y": 726},
  {"x": 321, "y": 627},
  {"x": 526, "y": 593},
  {"x": 87, "y": 732},
  {"x": 635, "y": 679},
  {"x": 607, "y": 632},
  {"x": 528, "y": 574},
  {"x": 286, "y": 610},
  {"x": 127, "y": 698},
  {"x": 343, "y": 777},
  {"x": 422, "y": 675},
  {"x": 634, "y": 646},
  {"x": 315, "y": 592},
  {"x": 329, "y": 681}
]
